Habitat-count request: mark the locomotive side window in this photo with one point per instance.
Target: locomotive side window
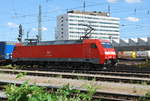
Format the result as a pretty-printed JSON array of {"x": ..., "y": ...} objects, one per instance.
[
  {"x": 107, "y": 45},
  {"x": 93, "y": 45}
]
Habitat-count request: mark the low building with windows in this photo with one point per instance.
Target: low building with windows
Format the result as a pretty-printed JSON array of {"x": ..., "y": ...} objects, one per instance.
[{"x": 74, "y": 24}]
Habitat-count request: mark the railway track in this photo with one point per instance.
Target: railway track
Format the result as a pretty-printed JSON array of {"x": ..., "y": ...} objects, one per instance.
[
  {"x": 102, "y": 72},
  {"x": 133, "y": 78},
  {"x": 103, "y": 95},
  {"x": 119, "y": 68}
]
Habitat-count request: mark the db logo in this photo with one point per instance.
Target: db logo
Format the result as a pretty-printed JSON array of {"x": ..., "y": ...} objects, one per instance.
[{"x": 48, "y": 53}]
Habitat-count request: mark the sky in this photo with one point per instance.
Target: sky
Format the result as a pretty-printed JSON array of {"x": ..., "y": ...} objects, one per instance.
[{"x": 134, "y": 16}]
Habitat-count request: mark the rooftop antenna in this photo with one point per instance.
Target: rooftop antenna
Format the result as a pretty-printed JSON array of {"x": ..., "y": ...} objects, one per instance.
[
  {"x": 148, "y": 12},
  {"x": 40, "y": 24},
  {"x": 135, "y": 11},
  {"x": 84, "y": 6}
]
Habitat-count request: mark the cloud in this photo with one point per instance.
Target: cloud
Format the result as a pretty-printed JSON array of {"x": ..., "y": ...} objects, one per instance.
[
  {"x": 132, "y": 19},
  {"x": 133, "y": 1},
  {"x": 112, "y": 1},
  {"x": 43, "y": 29},
  {"x": 12, "y": 25}
]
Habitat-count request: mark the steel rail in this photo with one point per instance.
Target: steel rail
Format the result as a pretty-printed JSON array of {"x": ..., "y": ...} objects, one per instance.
[{"x": 109, "y": 78}]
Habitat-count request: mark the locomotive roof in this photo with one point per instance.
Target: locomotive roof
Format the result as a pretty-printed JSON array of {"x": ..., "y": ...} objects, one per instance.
[{"x": 60, "y": 42}]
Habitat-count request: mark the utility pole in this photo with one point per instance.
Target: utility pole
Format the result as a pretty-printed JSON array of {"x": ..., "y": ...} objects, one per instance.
[
  {"x": 84, "y": 6},
  {"x": 40, "y": 24},
  {"x": 109, "y": 10}
]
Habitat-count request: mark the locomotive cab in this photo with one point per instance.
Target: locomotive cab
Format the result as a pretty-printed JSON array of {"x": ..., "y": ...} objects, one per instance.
[
  {"x": 101, "y": 49},
  {"x": 109, "y": 53}
]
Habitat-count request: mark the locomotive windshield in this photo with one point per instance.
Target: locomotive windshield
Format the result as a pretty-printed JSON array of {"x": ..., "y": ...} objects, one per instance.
[{"x": 107, "y": 45}]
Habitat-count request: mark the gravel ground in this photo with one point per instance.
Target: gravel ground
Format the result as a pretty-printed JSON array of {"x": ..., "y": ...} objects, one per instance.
[
  {"x": 2, "y": 94},
  {"x": 101, "y": 86}
]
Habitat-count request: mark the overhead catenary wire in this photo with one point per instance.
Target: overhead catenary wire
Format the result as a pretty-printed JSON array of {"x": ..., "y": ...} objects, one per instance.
[{"x": 47, "y": 15}]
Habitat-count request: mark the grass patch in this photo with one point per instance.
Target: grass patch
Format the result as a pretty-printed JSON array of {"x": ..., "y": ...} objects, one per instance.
[
  {"x": 34, "y": 93},
  {"x": 145, "y": 97},
  {"x": 27, "y": 92}
]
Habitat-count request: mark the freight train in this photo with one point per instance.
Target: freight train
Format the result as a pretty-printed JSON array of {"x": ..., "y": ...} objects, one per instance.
[
  {"x": 93, "y": 52},
  {"x": 134, "y": 55}
]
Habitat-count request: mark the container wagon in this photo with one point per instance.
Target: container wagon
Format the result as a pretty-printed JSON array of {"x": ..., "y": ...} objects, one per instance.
[
  {"x": 134, "y": 55},
  {"x": 6, "y": 49}
]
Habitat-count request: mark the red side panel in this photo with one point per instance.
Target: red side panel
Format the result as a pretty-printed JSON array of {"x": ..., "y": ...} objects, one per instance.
[
  {"x": 56, "y": 51},
  {"x": 49, "y": 51},
  {"x": 90, "y": 52},
  {"x": 78, "y": 51}
]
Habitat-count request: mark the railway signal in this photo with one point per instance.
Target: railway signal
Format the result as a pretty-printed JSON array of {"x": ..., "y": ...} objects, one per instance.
[{"x": 20, "y": 33}]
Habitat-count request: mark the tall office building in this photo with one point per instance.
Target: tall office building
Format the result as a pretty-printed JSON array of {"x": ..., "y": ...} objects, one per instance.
[{"x": 74, "y": 24}]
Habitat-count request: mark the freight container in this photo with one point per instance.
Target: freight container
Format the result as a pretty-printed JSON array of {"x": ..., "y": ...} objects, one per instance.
[
  {"x": 6, "y": 49},
  {"x": 134, "y": 55}
]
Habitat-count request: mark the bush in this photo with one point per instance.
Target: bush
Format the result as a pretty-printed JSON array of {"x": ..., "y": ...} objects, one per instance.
[
  {"x": 34, "y": 93},
  {"x": 146, "y": 97}
]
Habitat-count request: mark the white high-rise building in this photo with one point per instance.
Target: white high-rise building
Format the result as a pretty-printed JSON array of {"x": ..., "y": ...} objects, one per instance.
[{"x": 73, "y": 25}]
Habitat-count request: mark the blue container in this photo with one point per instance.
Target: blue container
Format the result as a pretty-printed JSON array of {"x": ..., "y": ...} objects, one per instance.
[{"x": 6, "y": 49}]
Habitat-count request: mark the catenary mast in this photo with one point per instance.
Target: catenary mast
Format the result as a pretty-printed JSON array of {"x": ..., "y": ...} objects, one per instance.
[{"x": 40, "y": 24}]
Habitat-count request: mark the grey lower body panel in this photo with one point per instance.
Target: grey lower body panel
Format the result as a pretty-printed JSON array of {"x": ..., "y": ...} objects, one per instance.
[{"x": 88, "y": 60}]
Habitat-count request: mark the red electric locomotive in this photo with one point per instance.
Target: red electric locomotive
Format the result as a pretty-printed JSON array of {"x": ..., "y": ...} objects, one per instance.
[{"x": 87, "y": 51}]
